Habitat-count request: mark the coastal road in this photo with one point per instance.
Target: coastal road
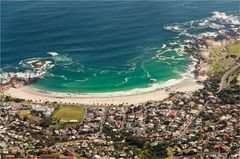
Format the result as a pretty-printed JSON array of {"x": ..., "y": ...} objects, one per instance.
[{"x": 223, "y": 83}]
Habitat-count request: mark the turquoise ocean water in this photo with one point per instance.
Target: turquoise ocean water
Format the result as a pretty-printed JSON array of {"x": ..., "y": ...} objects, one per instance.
[{"x": 106, "y": 46}]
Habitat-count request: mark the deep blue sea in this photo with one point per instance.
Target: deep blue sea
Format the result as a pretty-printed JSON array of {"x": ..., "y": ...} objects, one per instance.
[{"x": 104, "y": 46}]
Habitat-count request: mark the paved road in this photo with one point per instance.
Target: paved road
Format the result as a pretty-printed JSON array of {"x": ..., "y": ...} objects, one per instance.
[{"x": 223, "y": 83}]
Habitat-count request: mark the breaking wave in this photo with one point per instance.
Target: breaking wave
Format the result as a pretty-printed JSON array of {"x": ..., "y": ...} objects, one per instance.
[
  {"x": 53, "y": 53},
  {"x": 172, "y": 51},
  {"x": 218, "y": 20},
  {"x": 220, "y": 23},
  {"x": 64, "y": 59},
  {"x": 26, "y": 70},
  {"x": 125, "y": 81}
]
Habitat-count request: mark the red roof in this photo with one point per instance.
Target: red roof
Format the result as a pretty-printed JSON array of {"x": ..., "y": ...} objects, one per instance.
[
  {"x": 172, "y": 113},
  {"x": 10, "y": 156},
  {"x": 49, "y": 155}
]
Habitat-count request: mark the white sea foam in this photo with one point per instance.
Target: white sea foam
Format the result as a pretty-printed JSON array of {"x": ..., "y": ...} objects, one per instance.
[
  {"x": 183, "y": 29},
  {"x": 153, "y": 79},
  {"x": 179, "y": 58},
  {"x": 216, "y": 26},
  {"x": 180, "y": 49},
  {"x": 208, "y": 34},
  {"x": 27, "y": 63},
  {"x": 187, "y": 41},
  {"x": 222, "y": 31},
  {"x": 7, "y": 76},
  {"x": 83, "y": 80},
  {"x": 173, "y": 27},
  {"x": 227, "y": 18},
  {"x": 219, "y": 15},
  {"x": 64, "y": 59},
  {"x": 163, "y": 58},
  {"x": 124, "y": 82},
  {"x": 152, "y": 87},
  {"x": 217, "y": 21},
  {"x": 174, "y": 43},
  {"x": 204, "y": 22},
  {"x": 145, "y": 71},
  {"x": 53, "y": 53},
  {"x": 166, "y": 51},
  {"x": 163, "y": 46},
  {"x": 160, "y": 57},
  {"x": 234, "y": 29},
  {"x": 30, "y": 71},
  {"x": 186, "y": 34}
]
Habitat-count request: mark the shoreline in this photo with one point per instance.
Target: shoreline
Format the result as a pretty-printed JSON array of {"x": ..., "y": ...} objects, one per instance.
[
  {"x": 188, "y": 82},
  {"x": 199, "y": 67},
  {"x": 28, "y": 93}
]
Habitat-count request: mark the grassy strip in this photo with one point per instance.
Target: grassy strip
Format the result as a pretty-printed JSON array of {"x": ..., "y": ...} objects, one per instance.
[
  {"x": 234, "y": 48},
  {"x": 69, "y": 113}
]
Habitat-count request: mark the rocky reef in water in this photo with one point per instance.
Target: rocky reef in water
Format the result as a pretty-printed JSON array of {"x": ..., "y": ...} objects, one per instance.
[
  {"x": 19, "y": 79},
  {"x": 38, "y": 63}
]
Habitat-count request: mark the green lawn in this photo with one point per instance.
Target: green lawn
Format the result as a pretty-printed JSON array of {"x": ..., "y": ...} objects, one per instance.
[
  {"x": 69, "y": 113},
  {"x": 220, "y": 66},
  {"x": 234, "y": 48}
]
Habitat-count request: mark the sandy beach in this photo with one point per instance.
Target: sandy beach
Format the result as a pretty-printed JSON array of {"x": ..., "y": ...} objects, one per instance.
[
  {"x": 29, "y": 93},
  {"x": 198, "y": 71},
  {"x": 156, "y": 92}
]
